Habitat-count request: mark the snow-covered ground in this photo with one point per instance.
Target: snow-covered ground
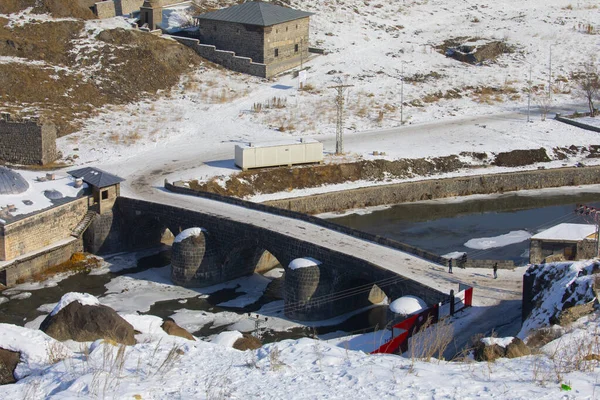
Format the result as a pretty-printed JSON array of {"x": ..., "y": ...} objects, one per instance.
[{"x": 162, "y": 366}]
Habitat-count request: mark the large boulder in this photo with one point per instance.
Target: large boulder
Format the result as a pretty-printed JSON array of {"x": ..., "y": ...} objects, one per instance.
[
  {"x": 247, "y": 342},
  {"x": 517, "y": 348},
  {"x": 173, "y": 329},
  {"x": 87, "y": 323},
  {"x": 8, "y": 363},
  {"x": 488, "y": 352}
]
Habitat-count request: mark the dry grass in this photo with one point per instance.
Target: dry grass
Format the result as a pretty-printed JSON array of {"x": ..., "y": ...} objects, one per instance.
[
  {"x": 431, "y": 340},
  {"x": 78, "y": 263}
]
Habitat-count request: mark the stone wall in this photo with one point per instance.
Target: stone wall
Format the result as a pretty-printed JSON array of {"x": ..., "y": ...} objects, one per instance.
[
  {"x": 32, "y": 233},
  {"x": 26, "y": 267},
  {"x": 244, "y": 40},
  {"x": 489, "y": 264},
  {"x": 27, "y": 142},
  {"x": 440, "y": 188},
  {"x": 290, "y": 39},
  {"x": 228, "y": 59}
]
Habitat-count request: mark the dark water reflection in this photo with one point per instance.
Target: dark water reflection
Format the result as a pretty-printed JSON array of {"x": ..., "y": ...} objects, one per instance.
[{"x": 445, "y": 227}]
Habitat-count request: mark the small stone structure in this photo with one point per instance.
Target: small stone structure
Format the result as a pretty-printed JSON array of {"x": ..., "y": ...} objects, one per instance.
[
  {"x": 27, "y": 141},
  {"x": 264, "y": 33},
  {"x": 564, "y": 242},
  {"x": 31, "y": 243}
]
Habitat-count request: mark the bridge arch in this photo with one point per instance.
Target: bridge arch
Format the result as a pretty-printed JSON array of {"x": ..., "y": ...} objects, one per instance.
[{"x": 248, "y": 256}]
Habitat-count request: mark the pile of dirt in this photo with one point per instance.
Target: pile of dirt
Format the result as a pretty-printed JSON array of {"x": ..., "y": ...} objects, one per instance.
[
  {"x": 57, "y": 8},
  {"x": 274, "y": 180},
  {"x": 518, "y": 158},
  {"x": 64, "y": 82}
]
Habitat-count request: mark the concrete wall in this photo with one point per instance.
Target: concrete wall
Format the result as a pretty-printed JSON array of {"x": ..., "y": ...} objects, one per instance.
[
  {"x": 440, "y": 188},
  {"x": 577, "y": 123},
  {"x": 228, "y": 59},
  {"x": 26, "y": 267},
  {"x": 27, "y": 142},
  {"x": 244, "y": 40},
  {"x": 43, "y": 229},
  {"x": 233, "y": 243}
]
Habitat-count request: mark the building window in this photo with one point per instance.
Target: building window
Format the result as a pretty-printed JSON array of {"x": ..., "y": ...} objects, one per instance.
[
  {"x": 276, "y": 52},
  {"x": 238, "y": 31},
  {"x": 104, "y": 194},
  {"x": 296, "y": 48}
]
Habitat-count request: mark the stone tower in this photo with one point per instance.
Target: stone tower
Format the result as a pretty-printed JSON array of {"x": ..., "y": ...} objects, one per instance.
[{"x": 151, "y": 13}]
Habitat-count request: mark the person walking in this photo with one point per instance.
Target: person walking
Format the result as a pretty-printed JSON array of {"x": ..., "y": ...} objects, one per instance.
[
  {"x": 495, "y": 270},
  {"x": 450, "y": 266}
]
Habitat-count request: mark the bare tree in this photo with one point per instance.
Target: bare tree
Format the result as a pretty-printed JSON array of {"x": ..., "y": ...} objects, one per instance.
[
  {"x": 544, "y": 102},
  {"x": 588, "y": 81}
]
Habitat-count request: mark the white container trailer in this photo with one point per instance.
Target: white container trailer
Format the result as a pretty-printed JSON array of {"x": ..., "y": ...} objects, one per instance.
[{"x": 273, "y": 154}]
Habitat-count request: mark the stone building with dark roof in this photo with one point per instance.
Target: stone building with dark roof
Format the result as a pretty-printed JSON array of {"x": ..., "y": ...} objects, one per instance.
[{"x": 263, "y": 32}]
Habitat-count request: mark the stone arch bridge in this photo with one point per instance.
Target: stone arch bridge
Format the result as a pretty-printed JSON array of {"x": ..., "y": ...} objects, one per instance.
[{"x": 231, "y": 246}]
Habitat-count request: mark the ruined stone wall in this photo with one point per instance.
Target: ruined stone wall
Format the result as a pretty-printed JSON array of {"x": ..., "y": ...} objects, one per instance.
[
  {"x": 228, "y": 59},
  {"x": 286, "y": 44},
  {"x": 109, "y": 9},
  {"x": 587, "y": 249},
  {"x": 243, "y": 40},
  {"x": 439, "y": 188},
  {"x": 26, "y": 267},
  {"x": 43, "y": 229},
  {"x": 104, "y": 9},
  {"x": 27, "y": 142}
]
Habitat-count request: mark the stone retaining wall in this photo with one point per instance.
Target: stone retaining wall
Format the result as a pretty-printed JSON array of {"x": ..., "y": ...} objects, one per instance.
[
  {"x": 26, "y": 267},
  {"x": 228, "y": 59},
  {"x": 439, "y": 188}
]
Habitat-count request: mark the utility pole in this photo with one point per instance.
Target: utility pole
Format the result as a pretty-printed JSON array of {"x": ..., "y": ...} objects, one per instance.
[
  {"x": 529, "y": 96},
  {"x": 339, "y": 101},
  {"x": 550, "y": 75},
  {"x": 591, "y": 214},
  {"x": 402, "y": 95},
  {"x": 257, "y": 325}
]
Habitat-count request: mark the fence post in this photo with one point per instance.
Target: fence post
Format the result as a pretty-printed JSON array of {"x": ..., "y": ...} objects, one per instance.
[{"x": 452, "y": 302}]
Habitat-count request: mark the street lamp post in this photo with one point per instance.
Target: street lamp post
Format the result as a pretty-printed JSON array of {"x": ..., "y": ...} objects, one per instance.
[{"x": 529, "y": 95}]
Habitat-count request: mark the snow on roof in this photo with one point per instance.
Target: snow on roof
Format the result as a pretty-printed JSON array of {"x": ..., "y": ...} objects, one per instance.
[
  {"x": 566, "y": 232},
  {"x": 84, "y": 298},
  {"x": 304, "y": 263},
  {"x": 407, "y": 305},
  {"x": 275, "y": 143},
  {"x": 188, "y": 233}
]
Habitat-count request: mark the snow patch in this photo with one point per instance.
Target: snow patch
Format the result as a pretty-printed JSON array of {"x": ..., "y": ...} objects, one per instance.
[
  {"x": 305, "y": 262},
  {"x": 83, "y": 298},
  {"x": 498, "y": 241},
  {"x": 188, "y": 233},
  {"x": 502, "y": 342},
  {"x": 407, "y": 305},
  {"x": 227, "y": 338}
]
